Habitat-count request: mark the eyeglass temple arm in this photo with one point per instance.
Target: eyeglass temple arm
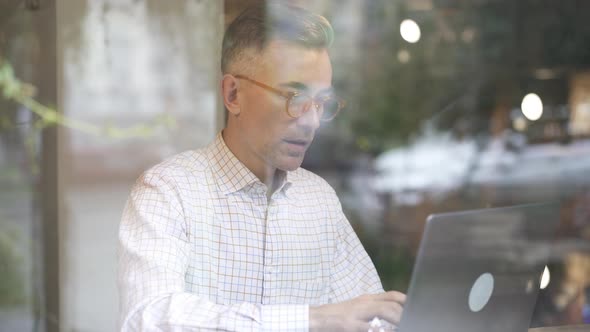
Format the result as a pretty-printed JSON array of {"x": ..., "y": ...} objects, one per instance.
[{"x": 267, "y": 87}]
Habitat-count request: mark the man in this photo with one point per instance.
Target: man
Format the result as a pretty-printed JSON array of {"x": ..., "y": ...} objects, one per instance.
[{"x": 236, "y": 236}]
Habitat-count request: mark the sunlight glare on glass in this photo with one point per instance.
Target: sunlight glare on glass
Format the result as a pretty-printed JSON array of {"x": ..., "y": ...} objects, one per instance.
[
  {"x": 545, "y": 278},
  {"x": 403, "y": 56},
  {"x": 519, "y": 123},
  {"x": 410, "y": 31},
  {"x": 532, "y": 106}
]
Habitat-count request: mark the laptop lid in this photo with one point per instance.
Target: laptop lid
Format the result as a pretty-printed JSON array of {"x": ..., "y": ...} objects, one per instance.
[{"x": 480, "y": 270}]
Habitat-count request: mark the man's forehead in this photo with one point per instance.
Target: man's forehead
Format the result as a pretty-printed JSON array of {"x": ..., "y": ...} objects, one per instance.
[
  {"x": 287, "y": 62},
  {"x": 289, "y": 50}
]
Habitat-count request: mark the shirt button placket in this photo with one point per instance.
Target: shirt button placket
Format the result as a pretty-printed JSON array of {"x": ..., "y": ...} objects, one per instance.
[{"x": 269, "y": 266}]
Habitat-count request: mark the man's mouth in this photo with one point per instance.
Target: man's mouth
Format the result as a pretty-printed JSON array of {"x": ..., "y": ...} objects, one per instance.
[
  {"x": 297, "y": 146},
  {"x": 298, "y": 142}
]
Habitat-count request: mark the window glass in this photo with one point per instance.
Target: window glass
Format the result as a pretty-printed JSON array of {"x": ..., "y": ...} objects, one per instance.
[
  {"x": 450, "y": 105},
  {"x": 456, "y": 105}
]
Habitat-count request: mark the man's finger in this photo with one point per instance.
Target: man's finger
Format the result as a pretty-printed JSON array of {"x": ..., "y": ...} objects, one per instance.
[
  {"x": 388, "y": 310},
  {"x": 392, "y": 312},
  {"x": 391, "y": 296}
]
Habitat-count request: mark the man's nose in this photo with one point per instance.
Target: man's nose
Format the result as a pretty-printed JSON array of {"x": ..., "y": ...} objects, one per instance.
[{"x": 311, "y": 118}]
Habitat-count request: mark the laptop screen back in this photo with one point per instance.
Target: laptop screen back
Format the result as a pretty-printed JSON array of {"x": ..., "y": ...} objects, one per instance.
[{"x": 480, "y": 270}]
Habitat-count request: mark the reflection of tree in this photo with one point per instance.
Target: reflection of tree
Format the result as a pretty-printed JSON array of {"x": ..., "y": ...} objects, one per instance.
[
  {"x": 474, "y": 63},
  {"x": 11, "y": 262},
  {"x": 16, "y": 39},
  {"x": 487, "y": 53},
  {"x": 23, "y": 94}
]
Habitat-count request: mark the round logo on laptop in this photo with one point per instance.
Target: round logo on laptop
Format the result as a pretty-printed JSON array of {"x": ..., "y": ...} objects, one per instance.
[{"x": 481, "y": 291}]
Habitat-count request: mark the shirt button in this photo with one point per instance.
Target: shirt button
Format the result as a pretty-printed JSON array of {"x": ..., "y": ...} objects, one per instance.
[{"x": 271, "y": 270}]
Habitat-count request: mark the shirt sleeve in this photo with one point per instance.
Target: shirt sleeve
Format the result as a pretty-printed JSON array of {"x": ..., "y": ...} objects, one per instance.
[
  {"x": 153, "y": 257},
  {"x": 353, "y": 272}
]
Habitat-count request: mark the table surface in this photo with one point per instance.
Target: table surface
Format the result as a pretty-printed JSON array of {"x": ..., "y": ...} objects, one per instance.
[{"x": 577, "y": 328}]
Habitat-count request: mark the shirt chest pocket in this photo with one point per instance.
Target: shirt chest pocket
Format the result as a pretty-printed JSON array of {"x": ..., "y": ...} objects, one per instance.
[
  {"x": 304, "y": 258},
  {"x": 306, "y": 264},
  {"x": 303, "y": 275}
]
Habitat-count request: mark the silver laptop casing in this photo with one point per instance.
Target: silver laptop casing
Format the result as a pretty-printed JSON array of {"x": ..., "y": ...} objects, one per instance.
[{"x": 511, "y": 243}]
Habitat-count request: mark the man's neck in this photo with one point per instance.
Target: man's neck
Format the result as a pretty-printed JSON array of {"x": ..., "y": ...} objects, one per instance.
[
  {"x": 277, "y": 180},
  {"x": 271, "y": 177}
]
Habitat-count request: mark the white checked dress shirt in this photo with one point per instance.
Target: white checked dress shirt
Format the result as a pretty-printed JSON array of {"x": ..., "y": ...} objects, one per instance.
[{"x": 202, "y": 248}]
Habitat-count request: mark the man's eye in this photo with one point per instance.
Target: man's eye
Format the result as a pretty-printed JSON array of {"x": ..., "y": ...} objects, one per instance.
[{"x": 299, "y": 98}]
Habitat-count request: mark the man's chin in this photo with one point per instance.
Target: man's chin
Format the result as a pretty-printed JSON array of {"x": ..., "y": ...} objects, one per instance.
[{"x": 290, "y": 164}]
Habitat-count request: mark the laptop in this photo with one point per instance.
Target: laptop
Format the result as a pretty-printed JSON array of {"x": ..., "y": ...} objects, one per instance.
[{"x": 480, "y": 270}]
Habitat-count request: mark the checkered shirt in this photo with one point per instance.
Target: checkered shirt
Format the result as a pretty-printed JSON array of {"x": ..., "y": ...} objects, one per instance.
[{"x": 202, "y": 248}]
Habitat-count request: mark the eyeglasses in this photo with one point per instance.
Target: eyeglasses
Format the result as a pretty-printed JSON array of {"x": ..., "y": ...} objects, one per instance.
[{"x": 327, "y": 106}]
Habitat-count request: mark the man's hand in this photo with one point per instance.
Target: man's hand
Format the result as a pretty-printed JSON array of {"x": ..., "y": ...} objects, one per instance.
[{"x": 356, "y": 314}]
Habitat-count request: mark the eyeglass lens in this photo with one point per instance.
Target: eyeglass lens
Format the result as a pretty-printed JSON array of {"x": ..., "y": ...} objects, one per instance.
[{"x": 326, "y": 107}]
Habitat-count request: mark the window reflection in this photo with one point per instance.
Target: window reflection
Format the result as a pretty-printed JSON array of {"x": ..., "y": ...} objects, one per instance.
[
  {"x": 486, "y": 109},
  {"x": 474, "y": 104}
]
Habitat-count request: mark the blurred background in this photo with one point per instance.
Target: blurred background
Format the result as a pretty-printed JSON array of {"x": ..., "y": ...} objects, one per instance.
[{"x": 452, "y": 105}]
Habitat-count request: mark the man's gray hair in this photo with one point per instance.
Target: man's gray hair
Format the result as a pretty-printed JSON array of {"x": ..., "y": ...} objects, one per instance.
[{"x": 257, "y": 26}]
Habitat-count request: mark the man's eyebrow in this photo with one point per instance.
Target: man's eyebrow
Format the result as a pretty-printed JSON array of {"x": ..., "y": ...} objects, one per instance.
[
  {"x": 302, "y": 87},
  {"x": 295, "y": 85}
]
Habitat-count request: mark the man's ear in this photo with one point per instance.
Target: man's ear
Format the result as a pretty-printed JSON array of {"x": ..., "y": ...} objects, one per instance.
[{"x": 229, "y": 91}]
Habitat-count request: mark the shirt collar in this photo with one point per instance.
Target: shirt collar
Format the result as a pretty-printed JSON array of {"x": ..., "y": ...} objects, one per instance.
[{"x": 231, "y": 175}]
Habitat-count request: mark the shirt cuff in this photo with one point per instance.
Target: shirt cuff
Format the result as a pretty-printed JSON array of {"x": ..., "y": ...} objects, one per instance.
[{"x": 291, "y": 318}]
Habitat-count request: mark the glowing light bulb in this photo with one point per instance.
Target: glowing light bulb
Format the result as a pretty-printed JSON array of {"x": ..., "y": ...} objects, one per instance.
[
  {"x": 545, "y": 278},
  {"x": 532, "y": 107},
  {"x": 410, "y": 31}
]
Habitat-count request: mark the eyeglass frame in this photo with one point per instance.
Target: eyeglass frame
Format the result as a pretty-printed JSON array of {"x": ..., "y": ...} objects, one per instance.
[{"x": 289, "y": 95}]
